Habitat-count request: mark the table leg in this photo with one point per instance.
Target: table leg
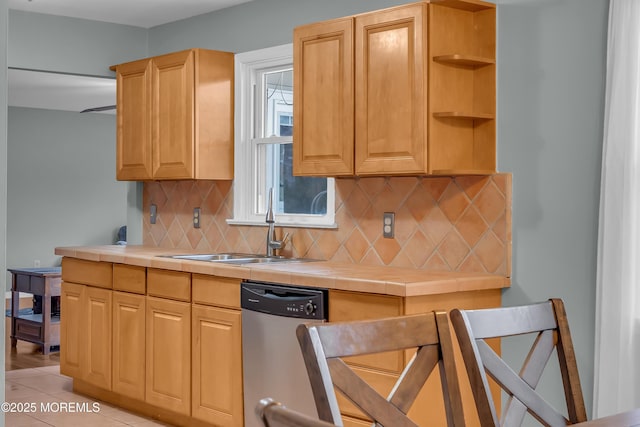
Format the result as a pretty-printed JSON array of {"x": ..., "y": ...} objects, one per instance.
[
  {"x": 15, "y": 309},
  {"x": 46, "y": 323}
]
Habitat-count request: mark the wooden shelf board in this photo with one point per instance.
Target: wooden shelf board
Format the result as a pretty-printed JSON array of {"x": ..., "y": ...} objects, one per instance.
[
  {"x": 452, "y": 172},
  {"x": 463, "y": 115},
  {"x": 37, "y": 318},
  {"x": 469, "y": 5},
  {"x": 476, "y": 61}
]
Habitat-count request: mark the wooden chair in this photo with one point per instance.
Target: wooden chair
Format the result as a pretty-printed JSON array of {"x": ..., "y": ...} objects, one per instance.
[
  {"x": 325, "y": 344},
  {"x": 548, "y": 321},
  {"x": 274, "y": 414}
]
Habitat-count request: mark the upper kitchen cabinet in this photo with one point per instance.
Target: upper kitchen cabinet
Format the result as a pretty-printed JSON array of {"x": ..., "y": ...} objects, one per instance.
[
  {"x": 408, "y": 90},
  {"x": 175, "y": 117},
  {"x": 323, "y": 96}
]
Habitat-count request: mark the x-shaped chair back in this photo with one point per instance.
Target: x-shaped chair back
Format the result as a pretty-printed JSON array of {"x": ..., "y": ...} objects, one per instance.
[
  {"x": 324, "y": 345},
  {"x": 548, "y": 320}
]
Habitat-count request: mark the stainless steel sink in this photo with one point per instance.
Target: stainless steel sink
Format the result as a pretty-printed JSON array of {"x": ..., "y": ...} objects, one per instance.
[
  {"x": 209, "y": 257},
  {"x": 265, "y": 259},
  {"x": 237, "y": 258}
]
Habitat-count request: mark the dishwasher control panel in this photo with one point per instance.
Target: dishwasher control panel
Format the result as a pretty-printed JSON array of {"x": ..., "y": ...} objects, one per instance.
[{"x": 284, "y": 300}]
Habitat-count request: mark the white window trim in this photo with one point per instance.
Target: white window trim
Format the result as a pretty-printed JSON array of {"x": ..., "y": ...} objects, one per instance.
[{"x": 243, "y": 187}]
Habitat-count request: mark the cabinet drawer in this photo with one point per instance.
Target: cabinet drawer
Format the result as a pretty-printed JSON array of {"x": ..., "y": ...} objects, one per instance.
[
  {"x": 36, "y": 284},
  {"x": 379, "y": 370},
  {"x": 91, "y": 273},
  {"x": 23, "y": 284},
  {"x": 169, "y": 284},
  {"x": 28, "y": 330},
  {"x": 129, "y": 278},
  {"x": 213, "y": 290},
  {"x": 348, "y": 306}
]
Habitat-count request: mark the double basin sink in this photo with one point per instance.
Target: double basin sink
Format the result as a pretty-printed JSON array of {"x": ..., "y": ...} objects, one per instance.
[{"x": 237, "y": 258}]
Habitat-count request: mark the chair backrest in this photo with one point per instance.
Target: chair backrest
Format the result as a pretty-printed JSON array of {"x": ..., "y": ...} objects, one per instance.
[
  {"x": 274, "y": 414},
  {"x": 548, "y": 322},
  {"x": 325, "y": 344}
]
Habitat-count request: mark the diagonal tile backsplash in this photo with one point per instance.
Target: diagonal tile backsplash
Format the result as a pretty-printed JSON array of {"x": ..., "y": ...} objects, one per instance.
[{"x": 442, "y": 223}]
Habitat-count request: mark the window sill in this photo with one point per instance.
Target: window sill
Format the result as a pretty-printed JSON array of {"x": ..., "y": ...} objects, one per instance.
[{"x": 233, "y": 221}]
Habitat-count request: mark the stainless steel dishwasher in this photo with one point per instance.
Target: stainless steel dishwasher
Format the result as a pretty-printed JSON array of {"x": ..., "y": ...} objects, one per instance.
[{"x": 272, "y": 361}]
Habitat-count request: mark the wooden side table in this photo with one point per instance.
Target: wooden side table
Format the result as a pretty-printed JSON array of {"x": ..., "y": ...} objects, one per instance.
[{"x": 40, "y": 326}]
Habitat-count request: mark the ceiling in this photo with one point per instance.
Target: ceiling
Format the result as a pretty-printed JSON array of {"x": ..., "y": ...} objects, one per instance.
[
  {"x": 139, "y": 13},
  {"x": 53, "y": 91},
  {"x": 35, "y": 89}
]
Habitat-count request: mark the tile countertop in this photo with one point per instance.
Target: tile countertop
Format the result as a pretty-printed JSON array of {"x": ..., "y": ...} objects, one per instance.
[{"x": 328, "y": 274}]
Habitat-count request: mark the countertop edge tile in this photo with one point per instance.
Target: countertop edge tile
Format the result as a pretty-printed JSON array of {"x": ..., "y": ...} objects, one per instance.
[
  {"x": 404, "y": 282},
  {"x": 138, "y": 260}
]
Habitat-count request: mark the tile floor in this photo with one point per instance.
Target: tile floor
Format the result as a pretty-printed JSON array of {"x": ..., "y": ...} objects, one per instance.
[{"x": 46, "y": 391}]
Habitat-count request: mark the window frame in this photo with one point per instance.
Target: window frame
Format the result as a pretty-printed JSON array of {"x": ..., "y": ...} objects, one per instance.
[{"x": 245, "y": 184}]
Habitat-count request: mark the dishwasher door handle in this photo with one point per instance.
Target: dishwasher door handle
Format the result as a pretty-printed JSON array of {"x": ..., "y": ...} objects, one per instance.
[{"x": 285, "y": 295}]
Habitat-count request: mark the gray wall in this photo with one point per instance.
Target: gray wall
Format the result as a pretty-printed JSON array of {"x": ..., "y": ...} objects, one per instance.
[
  {"x": 551, "y": 76},
  {"x": 61, "y": 173},
  {"x": 61, "y": 182},
  {"x": 253, "y": 25},
  {"x": 71, "y": 45}
]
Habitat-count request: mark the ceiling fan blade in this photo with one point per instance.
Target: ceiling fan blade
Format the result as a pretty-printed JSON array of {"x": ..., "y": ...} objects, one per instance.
[{"x": 105, "y": 108}]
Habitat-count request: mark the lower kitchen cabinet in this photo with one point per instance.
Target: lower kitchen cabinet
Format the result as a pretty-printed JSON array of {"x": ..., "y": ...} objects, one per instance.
[
  {"x": 168, "y": 344},
  {"x": 128, "y": 360},
  {"x": 135, "y": 339},
  {"x": 85, "y": 334},
  {"x": 382, "y": 370},
  {"x": 217, "y": 366},
  {"x": 168, "y": 354},
  {"x": 72, "y": 324},
  {"x": 98, "y": 338}
]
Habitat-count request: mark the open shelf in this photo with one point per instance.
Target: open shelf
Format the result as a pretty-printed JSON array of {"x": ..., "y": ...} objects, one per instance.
[
  {"x": 468, "y": 60},
  {"x": 456, "y": 172},
  {"x": 463, "y": 115},
  {"x": 468, "y": 5},
  {"x": 37, "y": 318}
]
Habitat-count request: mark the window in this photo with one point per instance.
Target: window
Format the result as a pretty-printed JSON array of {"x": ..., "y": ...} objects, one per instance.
[{"x": 264, "y": 149}]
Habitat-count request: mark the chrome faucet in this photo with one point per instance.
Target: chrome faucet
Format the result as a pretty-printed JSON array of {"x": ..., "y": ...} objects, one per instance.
[{"x": 272, "y": 243}]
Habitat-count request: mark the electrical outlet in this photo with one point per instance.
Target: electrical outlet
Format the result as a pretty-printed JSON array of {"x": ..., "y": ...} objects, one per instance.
[
  {"x": 36, "y": 263},
  {"x": 153, "y": 212},
  {"x": 388, "y": 225},
  {"x": 196, "y": 217}
]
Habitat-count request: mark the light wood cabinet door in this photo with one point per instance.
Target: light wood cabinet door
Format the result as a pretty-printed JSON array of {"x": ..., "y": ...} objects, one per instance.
[
  {"x": 175, "y": 116},
  {"x": 391, "y": 91},
  {"x": 98, "y": 337},
  {"x": 173, "y": 111},
  {"x": 168, "y": 354},
  {"x": 72, "y": 330},
  {"x": 134, "y": 116},
  {"x": 380, "y": 370},
  {"x": 129, "y": 344},
  {"x": 217, "y": 366},
  {"x": 323, "y": 132}
]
